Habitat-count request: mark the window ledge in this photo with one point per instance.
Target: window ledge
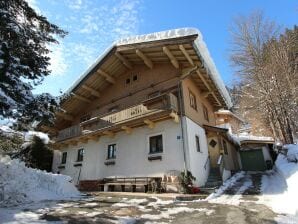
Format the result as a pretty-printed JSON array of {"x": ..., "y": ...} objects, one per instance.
[
  {"x": 152, "y": 157},
  {"x": 110, "y": 162}
]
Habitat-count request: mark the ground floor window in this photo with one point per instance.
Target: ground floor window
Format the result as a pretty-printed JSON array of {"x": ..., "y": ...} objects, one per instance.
[
  {"x": 198, "y": 144},
  {"x": 80, "y": 155},
  {"x": 64, "y": 156},
  {"x": 111, "y": 151},
  {"x": 155, "y": 144}
]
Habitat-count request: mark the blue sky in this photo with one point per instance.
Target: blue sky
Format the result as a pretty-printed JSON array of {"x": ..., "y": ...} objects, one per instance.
[{"x": 94, "y": 24}]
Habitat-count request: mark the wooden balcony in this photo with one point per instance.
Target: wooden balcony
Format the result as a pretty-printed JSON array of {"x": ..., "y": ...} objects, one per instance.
[{"x": 155, "y": 107}]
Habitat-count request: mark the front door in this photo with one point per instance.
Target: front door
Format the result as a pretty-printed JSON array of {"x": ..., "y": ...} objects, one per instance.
[{"x": 213, "y": 148}]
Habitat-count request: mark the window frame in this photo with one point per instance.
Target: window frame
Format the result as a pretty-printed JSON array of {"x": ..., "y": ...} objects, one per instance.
[
  {"x": 198, "y": 145},
  {"x": 64, "y": 159},
  {"x": 113, "y": 155},
  {"x": 162, "y": 144},
  {"x": 80, "y": 157},
  {"x": 192, "y": 100},
  {"x": 206, "y": 113},
  {"x": 225, "y": 147}
]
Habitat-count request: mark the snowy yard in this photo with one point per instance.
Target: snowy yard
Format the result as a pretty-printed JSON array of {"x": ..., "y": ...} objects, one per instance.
[{"x": 33, "y": 196}]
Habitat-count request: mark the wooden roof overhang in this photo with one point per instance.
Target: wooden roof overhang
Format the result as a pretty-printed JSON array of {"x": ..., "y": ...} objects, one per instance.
[
  {"x": 224, "y": 132},
  {"x": 179, "y": 51}
]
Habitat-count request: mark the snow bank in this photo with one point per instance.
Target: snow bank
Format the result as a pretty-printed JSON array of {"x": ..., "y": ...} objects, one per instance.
[
  {"x": 20, "y": 184},
  {"x": 280, "y": 188}
]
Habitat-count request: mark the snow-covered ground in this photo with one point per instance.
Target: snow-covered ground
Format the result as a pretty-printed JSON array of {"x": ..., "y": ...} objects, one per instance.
[
  {"x": 280, "y": 189},
  {"x": 20, "y": 184}
]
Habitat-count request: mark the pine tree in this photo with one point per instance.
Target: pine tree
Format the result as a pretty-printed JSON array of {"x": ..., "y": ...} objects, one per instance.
[
  {"x": 40, "y": 155},
  {"x": 24, "y": 40}
]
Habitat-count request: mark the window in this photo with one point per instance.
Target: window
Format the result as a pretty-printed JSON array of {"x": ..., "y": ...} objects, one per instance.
[
  {"x": 80, "y": 155},
  {"x": 127, "y": 81},
  {"x": 135, "y": 78},
  {"x": 198, "y": 144},
  {"x": 85, "y": 118},
  {"x": 205, "y": 111},
  {"x": 192, "y": 100},
  {"x": 64, "y": 156},
  {"x": 155, "y": 144},
  {"x": 225, "y": 148},
  {"x": 111, "y": 151},
  {"x": 213, "y": 143}
]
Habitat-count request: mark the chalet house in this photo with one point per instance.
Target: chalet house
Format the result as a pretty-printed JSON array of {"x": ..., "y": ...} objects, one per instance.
[{"x": 146, "y": 108}]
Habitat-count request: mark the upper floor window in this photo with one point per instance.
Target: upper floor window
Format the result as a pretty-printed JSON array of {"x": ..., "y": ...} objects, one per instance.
[
  {"x": 225, "y": 148},
  {"x": 80, "y": 155},
  {"x": 206, "y": 114},
  {"x": 155, "y": 144},
  {"x": 198, "y": 144},
  {"x": 131, "y": 79},
  {"x": 111, "y": 151},
  {"x": 85, "y": 118},
  {"x": 192, "y": 100}
]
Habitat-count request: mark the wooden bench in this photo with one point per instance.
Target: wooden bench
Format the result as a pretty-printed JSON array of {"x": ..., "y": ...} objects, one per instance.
[{"x": 132, "y": 182}]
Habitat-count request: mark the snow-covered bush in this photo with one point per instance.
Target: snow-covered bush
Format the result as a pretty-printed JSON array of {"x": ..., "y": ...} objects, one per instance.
[{"x": 20, "y": 184}]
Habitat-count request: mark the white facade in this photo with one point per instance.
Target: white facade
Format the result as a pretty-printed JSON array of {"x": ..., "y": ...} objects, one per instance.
[
  {"x": 132, "y": 152},
  {"x": 197, "y": 161}
]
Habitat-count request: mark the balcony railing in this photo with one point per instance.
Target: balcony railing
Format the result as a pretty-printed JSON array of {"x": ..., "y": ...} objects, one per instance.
[
  {"x": 155, "y": 105},
  {"x": 69, "y": 132}
]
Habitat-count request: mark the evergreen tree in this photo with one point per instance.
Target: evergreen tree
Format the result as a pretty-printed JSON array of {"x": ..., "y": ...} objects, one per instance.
[
  {"x": 40, "y": 156},
  {"x": 24, "y": 40}
]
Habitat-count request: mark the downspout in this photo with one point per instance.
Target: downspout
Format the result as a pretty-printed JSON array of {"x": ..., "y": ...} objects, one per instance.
[{"x": 181, "y": 105}]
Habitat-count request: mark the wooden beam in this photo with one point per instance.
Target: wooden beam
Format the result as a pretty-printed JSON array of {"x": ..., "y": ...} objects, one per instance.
[
  {"x": 208, "y": 87},
  {"x": 84, "y": 99},
  {"x": 175, "y": 117},
  {"x": 189, "y": 59},
  {"x": 206, "y": 94},
  {"x": 187, "y": 71},
  {"x": 91, "y": 90},
  {"x": 65, "y": 116},
  {"x": 150, "y": 123},
  {"x": 128, "y": 130},
  {"x": 109, "y": 133},
  {"x": 172, "y": 58},
  {"x": 146, "y": 60},
  {"x": 123, "y": 60},
  {"x": 108, "y": 77}
]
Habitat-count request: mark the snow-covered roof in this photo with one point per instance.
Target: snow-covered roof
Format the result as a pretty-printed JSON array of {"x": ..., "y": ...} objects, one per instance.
[
  {"x": 199, "y": 46},
  {"x": 228, "y": 112}
]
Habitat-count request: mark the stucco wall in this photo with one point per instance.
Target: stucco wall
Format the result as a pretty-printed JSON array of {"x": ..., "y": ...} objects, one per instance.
[
  {"x": 196, "y": 160},
  {"x": 131, "y": 155}
]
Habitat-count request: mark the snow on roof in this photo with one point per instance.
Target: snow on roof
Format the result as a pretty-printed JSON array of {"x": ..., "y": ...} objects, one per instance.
[
  {"x": 199, "y": 46},
  {"x": 228, "y": 112}
]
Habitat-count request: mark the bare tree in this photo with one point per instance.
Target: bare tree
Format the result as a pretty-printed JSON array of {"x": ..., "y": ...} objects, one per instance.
[{"x": 265, "y": 62}]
